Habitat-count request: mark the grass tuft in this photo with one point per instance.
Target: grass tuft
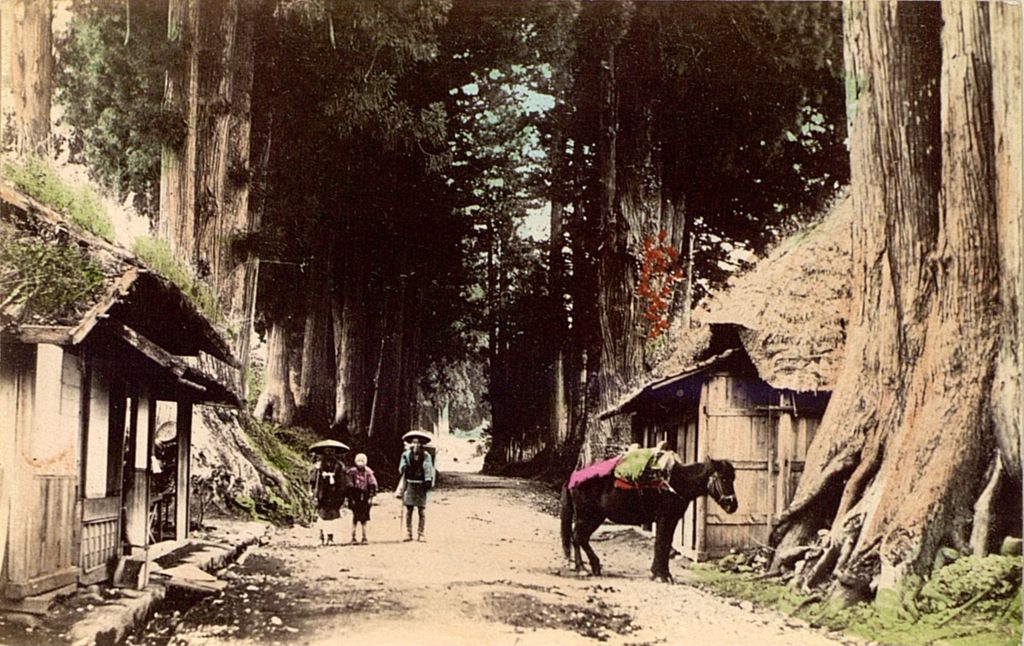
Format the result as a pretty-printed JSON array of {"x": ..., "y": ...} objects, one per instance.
[
  {"x": 157, "y": 254},
  {"x": 82, "y": 205},
  {"x": 46, "y": 281}
]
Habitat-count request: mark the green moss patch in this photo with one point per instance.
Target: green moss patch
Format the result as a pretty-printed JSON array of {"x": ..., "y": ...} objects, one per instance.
[
  {"x": 971, "y": 602},
  {"x": 283, "y": 447}
]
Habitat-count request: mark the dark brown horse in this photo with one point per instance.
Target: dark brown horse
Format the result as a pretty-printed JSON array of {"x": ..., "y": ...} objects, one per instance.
[{"x": 593, "y": 501}]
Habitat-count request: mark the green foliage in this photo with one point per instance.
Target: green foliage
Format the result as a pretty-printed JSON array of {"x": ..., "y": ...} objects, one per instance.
[
  {"x": 112, "y": 94},
  {"x": 737, "y": 108},
  {"x": 48, "y": 281},
  {"x": 158, "y": 255},
  {"x": 80, "y": 204},
  {"x": 993, "y": 623},
  {"x": 995, "y": 577},
  {"x": 284, "y": 447}
]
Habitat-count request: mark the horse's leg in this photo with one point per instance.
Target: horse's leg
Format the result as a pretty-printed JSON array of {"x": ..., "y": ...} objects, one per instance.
[
  {"x": 666, "y": 528},
  {"x": 578, "y": 558},
  {"x": 581, "y": 538}
]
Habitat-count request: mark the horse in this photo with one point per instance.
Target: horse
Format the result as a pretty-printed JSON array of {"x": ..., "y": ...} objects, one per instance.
[{"x": 590, "y": 503}]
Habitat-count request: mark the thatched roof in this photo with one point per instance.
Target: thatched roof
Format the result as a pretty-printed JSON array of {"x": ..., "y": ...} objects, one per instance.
[
  {"x": 788, "y": 314},
  {"x": 134, "y": 304},
  {"x": 791, "y": 310}
]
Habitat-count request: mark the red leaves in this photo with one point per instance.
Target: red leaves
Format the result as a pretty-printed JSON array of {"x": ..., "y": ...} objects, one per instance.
[{"x": 657, "y": 278}]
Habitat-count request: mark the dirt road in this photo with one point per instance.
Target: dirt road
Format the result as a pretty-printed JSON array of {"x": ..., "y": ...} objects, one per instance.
[{"x": 491, "y": 573}]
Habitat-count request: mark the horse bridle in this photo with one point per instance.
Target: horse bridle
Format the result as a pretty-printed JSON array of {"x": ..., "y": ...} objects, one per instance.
[{"x": 715, "y": 488}]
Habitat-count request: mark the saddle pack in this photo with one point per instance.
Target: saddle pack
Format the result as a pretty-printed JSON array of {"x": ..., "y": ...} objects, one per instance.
[
  {"x": 639, "y": 468},
  {"x": 642, "y": 468}
]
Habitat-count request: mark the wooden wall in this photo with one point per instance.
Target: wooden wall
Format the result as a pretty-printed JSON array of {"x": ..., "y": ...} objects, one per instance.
[
  {"x": 755, "y": 427},
  {"x": 43, "y": 505}
]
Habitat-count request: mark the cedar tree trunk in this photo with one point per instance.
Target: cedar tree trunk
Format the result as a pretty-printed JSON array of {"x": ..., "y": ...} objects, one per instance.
[
  {"x": 222, "y": 205},
  {"x": 178, "y": 156},
  {"x": 276, "y": 402}
]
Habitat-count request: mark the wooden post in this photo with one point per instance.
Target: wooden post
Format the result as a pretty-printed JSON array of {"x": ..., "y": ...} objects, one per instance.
[
  {"x": 9, "y": 367},
  {"x": 137, "y": 492},
  {"x": 700, "y": 504},
  {"x": 786, "y": 445},
  {"x": 184, "y": 425}
]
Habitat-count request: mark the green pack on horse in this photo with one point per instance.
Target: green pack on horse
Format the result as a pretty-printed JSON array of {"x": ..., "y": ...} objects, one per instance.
[{"x": 658, "y": 492}]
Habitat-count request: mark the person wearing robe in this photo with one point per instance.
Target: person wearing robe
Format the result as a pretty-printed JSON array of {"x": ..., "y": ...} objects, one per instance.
[
  {"x": 417, "y": 469},
  {"x": 362, "y": 487},
  {"x": 329, "y": 484}
]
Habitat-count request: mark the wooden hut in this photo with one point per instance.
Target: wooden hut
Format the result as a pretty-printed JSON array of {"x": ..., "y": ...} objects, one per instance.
[
  {"x": 750, "y": 383},
  {"x": 79, "y": 387}
]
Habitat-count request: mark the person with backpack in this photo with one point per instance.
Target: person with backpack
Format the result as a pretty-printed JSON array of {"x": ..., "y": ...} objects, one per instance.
[{"x": 417, "y": 469}]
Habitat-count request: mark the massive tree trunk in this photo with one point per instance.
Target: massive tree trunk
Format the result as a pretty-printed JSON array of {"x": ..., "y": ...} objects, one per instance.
[
  {"x": 276, "y": 402},
  {"x": 223, "y": 168},
  {"x": 314, "y": 399},
  {"x": 621, "y": 348},
  {"x": 910, "y": 411},
  {"x": 559, "y": 412},
  {"x": 26, "y": 75},
  {"x": 350, "y": 331},
  {"x": 178, "y": 157},
  {"x": 1005, "y": 19}
]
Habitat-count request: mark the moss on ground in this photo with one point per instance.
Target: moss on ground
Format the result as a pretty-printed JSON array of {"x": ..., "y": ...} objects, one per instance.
[{"x": 994, "y": 619}]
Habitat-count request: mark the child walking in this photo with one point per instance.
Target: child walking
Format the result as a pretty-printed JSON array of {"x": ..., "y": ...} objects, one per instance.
[{"x": 362, "y": 487}]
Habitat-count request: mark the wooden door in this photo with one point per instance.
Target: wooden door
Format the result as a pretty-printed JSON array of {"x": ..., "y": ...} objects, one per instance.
[
  {"x": 686, "y": 447},
  {"x": 738, "y": 427}
]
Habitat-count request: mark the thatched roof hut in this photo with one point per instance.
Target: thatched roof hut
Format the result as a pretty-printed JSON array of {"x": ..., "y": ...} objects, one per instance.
[
  {"x": 751, "y": 380},
  {"x": 92, "y": 342}
]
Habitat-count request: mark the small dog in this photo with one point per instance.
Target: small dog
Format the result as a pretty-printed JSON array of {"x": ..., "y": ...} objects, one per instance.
[{"x": 326, "y": 539}]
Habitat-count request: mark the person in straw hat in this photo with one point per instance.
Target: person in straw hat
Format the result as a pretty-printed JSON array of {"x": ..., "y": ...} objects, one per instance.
[
  {"x": 328, "y": 482},
  {"x": 417, "y": 468}
]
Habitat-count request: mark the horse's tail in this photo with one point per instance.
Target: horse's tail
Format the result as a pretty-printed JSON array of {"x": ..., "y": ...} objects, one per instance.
[{"x": 567, "y": 514}]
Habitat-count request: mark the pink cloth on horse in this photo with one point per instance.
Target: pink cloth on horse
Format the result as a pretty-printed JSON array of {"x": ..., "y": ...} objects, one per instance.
[{"x": 595, "y": 470}]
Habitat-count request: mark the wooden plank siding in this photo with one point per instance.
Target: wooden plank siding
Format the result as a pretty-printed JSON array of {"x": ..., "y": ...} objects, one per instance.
[
  {"x": 40, "y": 545},
  {"x": 724, "y": 410},
  {"x": 42, "y": 548},
  {"x": 686, "y": 447}
]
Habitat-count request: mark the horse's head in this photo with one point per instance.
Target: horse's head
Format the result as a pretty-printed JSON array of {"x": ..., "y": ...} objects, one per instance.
[{"x": 721, "y": 475}]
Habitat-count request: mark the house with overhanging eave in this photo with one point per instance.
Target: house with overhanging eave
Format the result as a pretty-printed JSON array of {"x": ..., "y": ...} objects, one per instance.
[
  {"x": 91, "y": 340},
  {"x": 749, "y": 382}
]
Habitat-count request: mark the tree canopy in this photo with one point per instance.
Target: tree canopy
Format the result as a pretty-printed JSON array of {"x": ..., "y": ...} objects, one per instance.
[{"x": 398, "y": 148}]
